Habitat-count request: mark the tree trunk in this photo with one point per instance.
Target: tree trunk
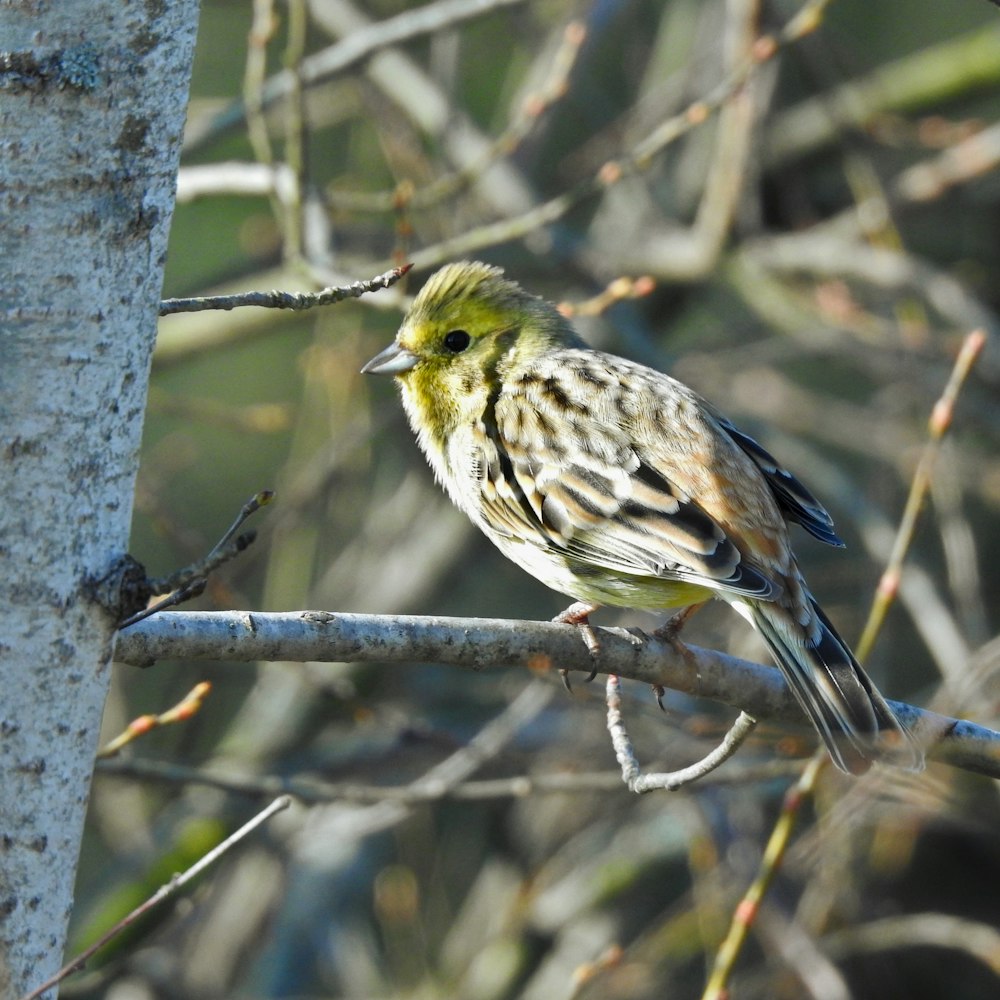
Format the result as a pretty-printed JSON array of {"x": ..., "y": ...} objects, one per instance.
[{"x": 92, "y": 102}]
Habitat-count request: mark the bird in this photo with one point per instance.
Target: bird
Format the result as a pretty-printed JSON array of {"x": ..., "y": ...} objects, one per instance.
[{"x": 618, "y": 485}]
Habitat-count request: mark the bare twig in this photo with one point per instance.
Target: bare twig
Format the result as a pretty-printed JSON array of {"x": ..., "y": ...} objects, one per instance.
[
  {"x": 919, "y": 79},
  {"x": 745, "y": 913},
  {"x": 969, "y": 158},
  {"x": 161, "y": 894},
  {"x": 254, "y": 504},
  {"x": 938, "y": 425},
  {"x": 639, "y": 158},
  {"x": 235, "y": 177},
  {"x": 445, "y": 185},
  {"x": 616, "y": 291},
  {"x": 819, "y": 251},
  {"x": 360, "y": 45},
  {"x": 312, "y": 790},
  {"x": 352, "y": 823},
  {"x": 292, "y": 215},
  {"x": 691, "y": 252},
  {"x": 821, "y": 979},
  {"x": 189, "y": 582},
  {"x": 919, "y": 930},
  {"x": 286, "y": 300},
  {"x": 185, "y": 592},
  {"x": 262, "y": 29},
  {"x": 188, "y": 706},
  {"x": 746, "y": 910},
  {"x": 672, "y": 780}
]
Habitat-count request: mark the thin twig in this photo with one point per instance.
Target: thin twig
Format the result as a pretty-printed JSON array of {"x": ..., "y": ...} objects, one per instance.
[
  {"x": 636, "y": 160},
  {"x": 186, "y": 592},
  {"x": 188, "y": 706},
  {"x": 357, "y": 47},
  {"x": 743, "y": 917},
  {"x": 938, "y": 425},
  {"x": 746, "y": 910},
  {"x": 446, "y": 185},
  {"x": 820, "y": 251},
  {"x": 258, "y": 500},
  {"x": 292, "y": 215},
  {"x": 190, "y": 581},
  {"x": 791, "y": 941},
  {"x": 286, "y": 300},
  {"x": 350, "y": 824},
  {"x": 313, "y": 790},
  {"x": 615, "y": 291},
  {"x": 223, "y": 550},
  {"x": 261, "y": 31},
  {"x": 670, "y": 780},
  {"x": 920, "y": 79},
  {"x": 971, "y": 157},
  {"x": 163, "y": 893},
  {"x": 920, "y": 930}
]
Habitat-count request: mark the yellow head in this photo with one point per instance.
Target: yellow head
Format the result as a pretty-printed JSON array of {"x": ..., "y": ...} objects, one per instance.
[{"x": 468, "y": 327}]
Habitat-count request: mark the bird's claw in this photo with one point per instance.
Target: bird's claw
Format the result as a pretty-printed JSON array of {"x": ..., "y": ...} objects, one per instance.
[
  {"x": 670, "y": 632},
  {"x": 579, "y": 614}
]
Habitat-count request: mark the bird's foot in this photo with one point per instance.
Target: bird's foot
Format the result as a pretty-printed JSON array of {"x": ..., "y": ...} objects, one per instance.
[
  {"x": 670, "y": 632},
  {"x": 671, "y": 629},
  {"x": 579, "y": 614}
]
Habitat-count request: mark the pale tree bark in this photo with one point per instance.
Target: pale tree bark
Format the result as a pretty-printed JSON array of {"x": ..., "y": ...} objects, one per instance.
[{"x": 92, "y": 101}]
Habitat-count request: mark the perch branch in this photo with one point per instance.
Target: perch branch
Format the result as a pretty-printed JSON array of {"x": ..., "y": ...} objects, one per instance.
[{"x": 478, "y": 643}]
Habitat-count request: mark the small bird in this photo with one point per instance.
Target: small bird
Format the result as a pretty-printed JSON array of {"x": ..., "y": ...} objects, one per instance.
[{"x": 618, "y": 485}]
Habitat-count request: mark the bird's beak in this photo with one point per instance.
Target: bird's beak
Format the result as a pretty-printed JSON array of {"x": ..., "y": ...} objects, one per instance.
[{"x": 394, "y": 360}]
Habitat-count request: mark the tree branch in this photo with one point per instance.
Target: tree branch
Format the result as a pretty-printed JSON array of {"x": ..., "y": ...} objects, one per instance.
[
  {"x": 244, "y": 636},
  {"x": 166, "y": 891}
]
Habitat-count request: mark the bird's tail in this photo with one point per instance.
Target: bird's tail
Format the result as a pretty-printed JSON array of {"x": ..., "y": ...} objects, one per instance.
[{"x": 851, "y": 716}]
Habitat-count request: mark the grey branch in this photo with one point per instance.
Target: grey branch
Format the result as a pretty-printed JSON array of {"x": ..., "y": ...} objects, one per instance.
[
  {"x": 309, "y": 789},
  {"x": 478, "y": 643},
  {"x": 285, "y": 300},
  {"x": 669, "y": 781}
]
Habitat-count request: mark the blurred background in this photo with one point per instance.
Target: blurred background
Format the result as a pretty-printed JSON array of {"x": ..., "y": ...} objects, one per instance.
[{"x": 795, "y": 208}]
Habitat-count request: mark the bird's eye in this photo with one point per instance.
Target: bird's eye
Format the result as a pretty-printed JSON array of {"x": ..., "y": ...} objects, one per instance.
[{"x": 457, "y": 341}]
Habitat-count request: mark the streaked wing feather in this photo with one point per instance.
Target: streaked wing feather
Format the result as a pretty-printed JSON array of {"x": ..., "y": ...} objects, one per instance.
[
  {"x": 796, "y": 502},
  {"x": 600, "y": 505},
  {"x": 506, "y": 506}
]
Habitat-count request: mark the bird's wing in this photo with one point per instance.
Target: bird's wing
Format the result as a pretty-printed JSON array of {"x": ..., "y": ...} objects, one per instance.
[
  {"x": 560, "y": 472},
  {"x": 796, "y": 502}
]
